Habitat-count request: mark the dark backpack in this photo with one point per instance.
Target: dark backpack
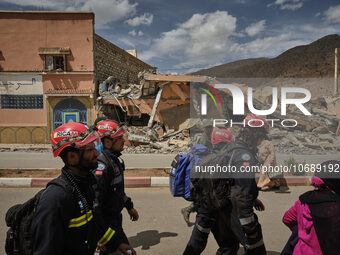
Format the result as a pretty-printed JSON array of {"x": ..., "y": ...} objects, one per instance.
[
  {"x": 214, "y": 193},
  {"x": 19, "y": 219}
]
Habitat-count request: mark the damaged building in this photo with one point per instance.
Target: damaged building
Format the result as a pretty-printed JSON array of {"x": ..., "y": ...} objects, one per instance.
[
  {"x": 157, "y": 109},
  {"x": 156, "y": 97}
]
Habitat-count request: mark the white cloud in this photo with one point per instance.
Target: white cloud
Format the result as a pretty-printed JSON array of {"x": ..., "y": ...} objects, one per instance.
[
  {"x": 134, "y": 33},
  {"x": 145, "y": 19},
  {"x": 176, "y": 46},
  {"x": 126, "y": 41},
  {"x": 240, "y": 1},
  {"x": 38, "y": 3},
  {"x": 291, "y": 5},
  {"x": 201, "y": 36},
  {"x": 266, "y": 47},
  {"x": 316, "y": 31},
  {"x": 256, "y": 28},
  {"x": 281, "y": 40},
  {"x": 105, "y": 10},
  {"x": 333, "y": 14}
]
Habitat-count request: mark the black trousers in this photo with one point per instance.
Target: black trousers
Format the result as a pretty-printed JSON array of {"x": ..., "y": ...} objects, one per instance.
[{"x": 217, "y": 222}]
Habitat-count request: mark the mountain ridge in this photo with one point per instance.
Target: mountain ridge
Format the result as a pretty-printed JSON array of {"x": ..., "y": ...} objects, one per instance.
[{"x": 314, "y": 60}]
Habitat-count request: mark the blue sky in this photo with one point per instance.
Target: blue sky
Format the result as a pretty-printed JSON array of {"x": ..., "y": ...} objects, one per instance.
[{"x": 181, "y": 36}]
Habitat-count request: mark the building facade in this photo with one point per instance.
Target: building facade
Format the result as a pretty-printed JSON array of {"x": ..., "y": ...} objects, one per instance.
[{"x": 50, "y": 65}]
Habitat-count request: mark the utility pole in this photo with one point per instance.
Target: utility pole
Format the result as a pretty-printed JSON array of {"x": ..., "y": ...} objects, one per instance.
[{"x": 336, "y": 73}]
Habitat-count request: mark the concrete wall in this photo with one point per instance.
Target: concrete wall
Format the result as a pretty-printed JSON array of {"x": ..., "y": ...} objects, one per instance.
[
  {"x": 23, "y": 33},
  {"x": 75, "y": 82},
  {"x": 22, "y": 83},
  {"x": 23, "y": 117},
  {"x": 110, "y": 60}
]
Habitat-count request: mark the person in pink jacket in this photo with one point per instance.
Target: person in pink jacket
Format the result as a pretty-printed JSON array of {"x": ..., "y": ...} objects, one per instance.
[{"x": 317, "y": 215}]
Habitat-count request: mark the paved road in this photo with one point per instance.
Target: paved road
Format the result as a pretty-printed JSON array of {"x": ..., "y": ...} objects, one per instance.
[
  {"x": 161, "y": 229},
  {"x": 46, "y": 160}
]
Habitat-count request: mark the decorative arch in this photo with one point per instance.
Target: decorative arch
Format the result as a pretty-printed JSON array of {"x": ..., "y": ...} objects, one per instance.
[{"x": 69, "y": 110}]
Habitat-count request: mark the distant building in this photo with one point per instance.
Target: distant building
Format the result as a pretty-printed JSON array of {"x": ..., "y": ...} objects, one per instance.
[{"x": 50, "y": 66}]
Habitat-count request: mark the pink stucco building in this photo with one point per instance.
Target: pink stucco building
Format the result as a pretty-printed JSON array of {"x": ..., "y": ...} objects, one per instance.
[{"x": 50, "y": 66}]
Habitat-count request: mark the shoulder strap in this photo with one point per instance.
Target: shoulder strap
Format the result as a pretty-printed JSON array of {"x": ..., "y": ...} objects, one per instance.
[
  {"x": 71, "y": 188},
  {"x": 61, "y": 182}
]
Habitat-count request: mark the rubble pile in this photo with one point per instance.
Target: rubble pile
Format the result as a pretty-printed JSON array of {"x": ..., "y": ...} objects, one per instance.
[
  {"x": 112, "y": 87},
  {"x": 315, "y": 134},
  {"x": 155, "y": 140},
  {"x": 304, "y": 142}
]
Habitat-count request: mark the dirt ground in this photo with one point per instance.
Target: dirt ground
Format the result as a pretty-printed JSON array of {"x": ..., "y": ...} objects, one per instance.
[{"x": 52, "y": 173}]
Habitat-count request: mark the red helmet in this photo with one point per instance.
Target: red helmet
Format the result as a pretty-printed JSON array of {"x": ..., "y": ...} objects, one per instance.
[
  {"x": 221, "y": 136},
  {"x": 71, "y": 134},
  {"x": 253, "y": 121},
  {"x": 110, "y": 128}
]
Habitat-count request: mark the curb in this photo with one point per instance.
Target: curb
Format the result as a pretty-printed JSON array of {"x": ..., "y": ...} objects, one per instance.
[
  {"x": 130, "y": 182},
  {"x": 159, "y": 181},
  {"x": 16, "y": 182},
  {"x": 299, "y": 181}
]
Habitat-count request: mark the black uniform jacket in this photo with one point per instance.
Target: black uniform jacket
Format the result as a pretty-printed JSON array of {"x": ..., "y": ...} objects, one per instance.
[
  {"x": 109, "y": 189},
  {"x": 244, "y": 191},
  {"x": 62, "y": 223}
]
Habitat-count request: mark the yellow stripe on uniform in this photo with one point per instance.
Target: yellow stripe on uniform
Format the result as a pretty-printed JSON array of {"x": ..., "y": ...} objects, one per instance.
[
  {"x": 80, "y": 221},
  {"x": 107, "y": 236}
]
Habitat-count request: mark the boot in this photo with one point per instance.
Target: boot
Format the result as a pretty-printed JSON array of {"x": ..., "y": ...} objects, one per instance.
[{"x": 283, "y": 186}]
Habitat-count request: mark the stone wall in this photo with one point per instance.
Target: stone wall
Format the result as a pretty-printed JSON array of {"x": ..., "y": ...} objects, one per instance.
[{"x": 110, "y": 60}]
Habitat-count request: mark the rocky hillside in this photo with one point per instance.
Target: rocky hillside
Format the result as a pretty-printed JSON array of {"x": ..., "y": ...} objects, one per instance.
[{"x": 312, "y": 60}]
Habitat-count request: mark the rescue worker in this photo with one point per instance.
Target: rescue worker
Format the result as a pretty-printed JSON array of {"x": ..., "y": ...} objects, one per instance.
[
  {"x": 270, "y": 181},
  {"x": 205, "y": 140},
  {"x": 109, "y": 189},
  {"x": 66, "y": 220},
  {"x": 210, "y": 218},
  {"x": 244, "y": 191}
]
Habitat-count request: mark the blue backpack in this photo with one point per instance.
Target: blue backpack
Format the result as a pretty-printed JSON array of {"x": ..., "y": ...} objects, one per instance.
[{"x": 180, "y": 171}]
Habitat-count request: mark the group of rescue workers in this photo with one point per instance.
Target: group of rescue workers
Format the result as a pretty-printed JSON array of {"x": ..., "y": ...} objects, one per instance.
[
  {"x": 88, "y": 216},
  {"x": 232, "y": 221},
  {"x": 224, "y": 206}
]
